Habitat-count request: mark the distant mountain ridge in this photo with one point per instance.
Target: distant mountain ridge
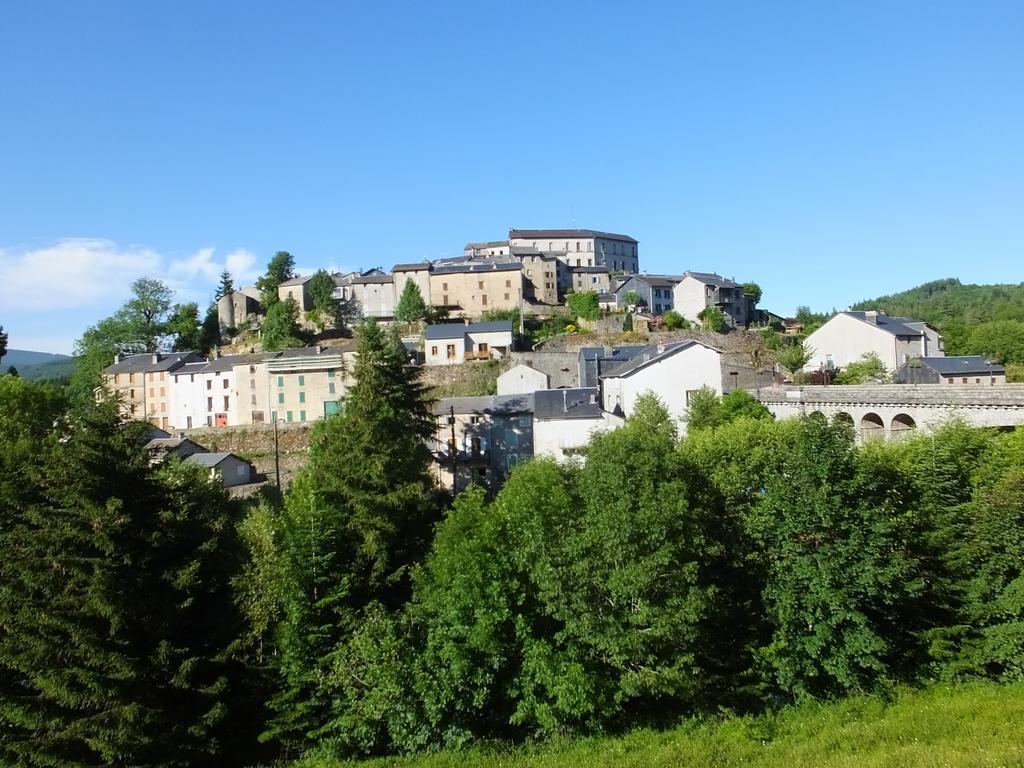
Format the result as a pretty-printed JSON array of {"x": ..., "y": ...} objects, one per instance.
[
  {"x": 38, "y": 366},
  {"x": 23, "y": 357},
  {"x": 974, "y": 319}
]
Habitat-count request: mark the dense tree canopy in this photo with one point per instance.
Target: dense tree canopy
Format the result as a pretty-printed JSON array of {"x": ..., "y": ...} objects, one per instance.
[{"x": 279, "y": 269}]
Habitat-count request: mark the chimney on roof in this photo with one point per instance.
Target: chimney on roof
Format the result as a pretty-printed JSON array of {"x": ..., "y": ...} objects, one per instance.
[
  {"x": 565, "y": 405},
  {"x": 117, "y": 358},
  {"x": 216, "y": 352},
  {"x": 156, "y": 357},
  {"x": 319, "y": 348},
  {"x": 871, "y": 315},
  {"x": 661, "y": 348}
]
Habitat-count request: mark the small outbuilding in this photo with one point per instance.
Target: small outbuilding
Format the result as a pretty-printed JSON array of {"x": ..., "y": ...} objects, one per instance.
[
  {"x": 229, "y": 469},
  {"x": 522, "y": 380},
  {"x": 956, "y": 369}
]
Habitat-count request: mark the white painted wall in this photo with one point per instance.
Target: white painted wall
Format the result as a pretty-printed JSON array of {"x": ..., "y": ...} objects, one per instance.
[
  {"x": 552, "y": 437},
  {"x": 670, "y": 379},
  {"x": 847, "y": 339},
  {"x": 521, "y": 380},
  {"x": 690, "y": 298}
]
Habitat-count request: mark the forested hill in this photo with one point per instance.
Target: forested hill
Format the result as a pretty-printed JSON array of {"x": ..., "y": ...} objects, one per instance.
[{"x": 974, "y": 319}]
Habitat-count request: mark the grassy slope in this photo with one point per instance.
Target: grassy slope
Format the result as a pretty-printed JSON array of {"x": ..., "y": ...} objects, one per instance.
[{"x": 972, "y": 725}]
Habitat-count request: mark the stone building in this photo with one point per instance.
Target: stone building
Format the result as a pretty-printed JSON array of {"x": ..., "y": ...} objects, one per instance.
[
  {"x": 470, "y": 289},
  {"x": 142, "y": 383}
]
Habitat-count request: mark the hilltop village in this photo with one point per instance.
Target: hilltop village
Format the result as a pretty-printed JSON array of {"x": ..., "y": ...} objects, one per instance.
[{"x": 620, "y": 332}]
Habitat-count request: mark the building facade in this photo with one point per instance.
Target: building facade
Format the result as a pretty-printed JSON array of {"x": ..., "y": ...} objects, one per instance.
[
  {"x": 697, "y": 291},
  {"x": 455, "y": 343},
  {"x": 848, "y": 336}
]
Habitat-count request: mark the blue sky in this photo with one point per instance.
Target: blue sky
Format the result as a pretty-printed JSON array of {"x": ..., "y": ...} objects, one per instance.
[{"x": 829, "y": 151}]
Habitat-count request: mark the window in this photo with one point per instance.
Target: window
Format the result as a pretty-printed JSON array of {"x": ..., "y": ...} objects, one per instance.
[
  {"x": 506, "y": 297},
  {"x": 252, "y": 383},
  {"x": 474, "y": 419},
  {"x": 977, "y": 381},
  {"x": 131, "y": 378},
  {"x": 302, "y": 380},
  {"x": 209, "y": 383},
  {"x": 577, "y": 246},
  {"x": 444, "y": 287},
  {"x": 288, "y": 416},
  {"x": 951, "y": 381},
  {"x": 433, "y": 350},
  {"x": 226, "y": 406},
  {"x": 508, "y": 283},
  {"x": 209, "y": 403},
  {"x": 577, "y": 262},
  {"x": 302, "y": 397},
  {"x": 252, "y": 370},
  {"x": 280, "y": 381},
  {"x": 302, "y": 415},
  {"x": 131, "y": 393},
  {"x": 225, "y": 385},
  {"x": 163, "y": 392},
  {"x": 330, "y": 388},
  {"x": 116, "y": 375},
  {"x": 280, "y": 397},
  {"x": 964, "y": 381},
  {"x": 451, "y": 351},
  {"x": 480, "y": 284},
  {"x": 551, "y": 246},
  {"x": 330, "y": 374},
  {"x": 151, "y": 392},
  {"x": 483, "y": 299},
  {"x": 444, "y": 300},
  {"x": 252, "y": 399}
]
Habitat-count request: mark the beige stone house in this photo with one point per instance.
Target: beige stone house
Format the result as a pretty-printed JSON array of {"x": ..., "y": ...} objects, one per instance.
[
  {"x": 470, "y": 289},
  {"x": 141, "y": 382},
  {"x": 372, "y": 291}
]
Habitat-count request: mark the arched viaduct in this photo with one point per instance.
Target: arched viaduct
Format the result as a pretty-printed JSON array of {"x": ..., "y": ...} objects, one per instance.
[{"x": 894, "y": 411}]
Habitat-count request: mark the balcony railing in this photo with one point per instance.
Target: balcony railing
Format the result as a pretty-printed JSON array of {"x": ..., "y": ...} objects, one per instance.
[{"x": 485, "y": 355}]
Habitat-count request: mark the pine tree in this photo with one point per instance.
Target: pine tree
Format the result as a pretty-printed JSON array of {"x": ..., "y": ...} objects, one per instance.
[
  {"x": 227, "y": 285},
  {"x": 118, "y": 613},
  {"x": 411, "y": 306},
  {"x": 356, "y": 519}
]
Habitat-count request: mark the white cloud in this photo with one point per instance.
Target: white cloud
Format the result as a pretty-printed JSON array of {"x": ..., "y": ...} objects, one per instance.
[
  {"x": 75, "y": 272},
  {"x": 94, "y": 272}
]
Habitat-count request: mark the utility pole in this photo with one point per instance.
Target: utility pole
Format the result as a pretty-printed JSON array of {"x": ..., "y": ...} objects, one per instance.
[
  {"x": 452, "y": 447},
  {"x": 277, "y": 456}
]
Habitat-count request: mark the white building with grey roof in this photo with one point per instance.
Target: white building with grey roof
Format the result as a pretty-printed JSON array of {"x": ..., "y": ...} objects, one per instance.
[
  {"x": 672, "y": 372},
  {"x": 848, "y": 336}
]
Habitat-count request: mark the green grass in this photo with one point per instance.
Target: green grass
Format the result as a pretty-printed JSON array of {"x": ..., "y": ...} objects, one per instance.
[{"x": 970, "y": 725}]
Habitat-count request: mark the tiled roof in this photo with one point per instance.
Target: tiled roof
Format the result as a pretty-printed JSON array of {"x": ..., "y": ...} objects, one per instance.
[
  {"x": 961, "y": 365},
  {"x": 458, "y": 330},
  {"x": 478, "y": 266},
  {"x": 647, "y": 356},
  {"x": 489, "y": 404},
  {"x": 580, "y": 403},
  {"x": 655, "y": 281},
  {"x": 300, "y": 280},
  {"x": 897, "y": 326},
  {"x": 528, "y": 234},
  {"x": 713, "y": 278},
  {"x": 151, "y": 362},
  {"x": 413, "y": 267}
]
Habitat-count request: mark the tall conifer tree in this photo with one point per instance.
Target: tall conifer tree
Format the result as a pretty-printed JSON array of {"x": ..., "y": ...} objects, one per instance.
[{"x": 356, "y": 519}]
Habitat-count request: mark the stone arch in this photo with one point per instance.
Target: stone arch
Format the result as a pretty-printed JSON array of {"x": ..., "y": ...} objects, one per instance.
[
  {"x": 872, "y": 427},
  {"x": 902, "y": 426},
  {"x": 843, "y": 418},
  {"x": 817, "y": 416}
]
